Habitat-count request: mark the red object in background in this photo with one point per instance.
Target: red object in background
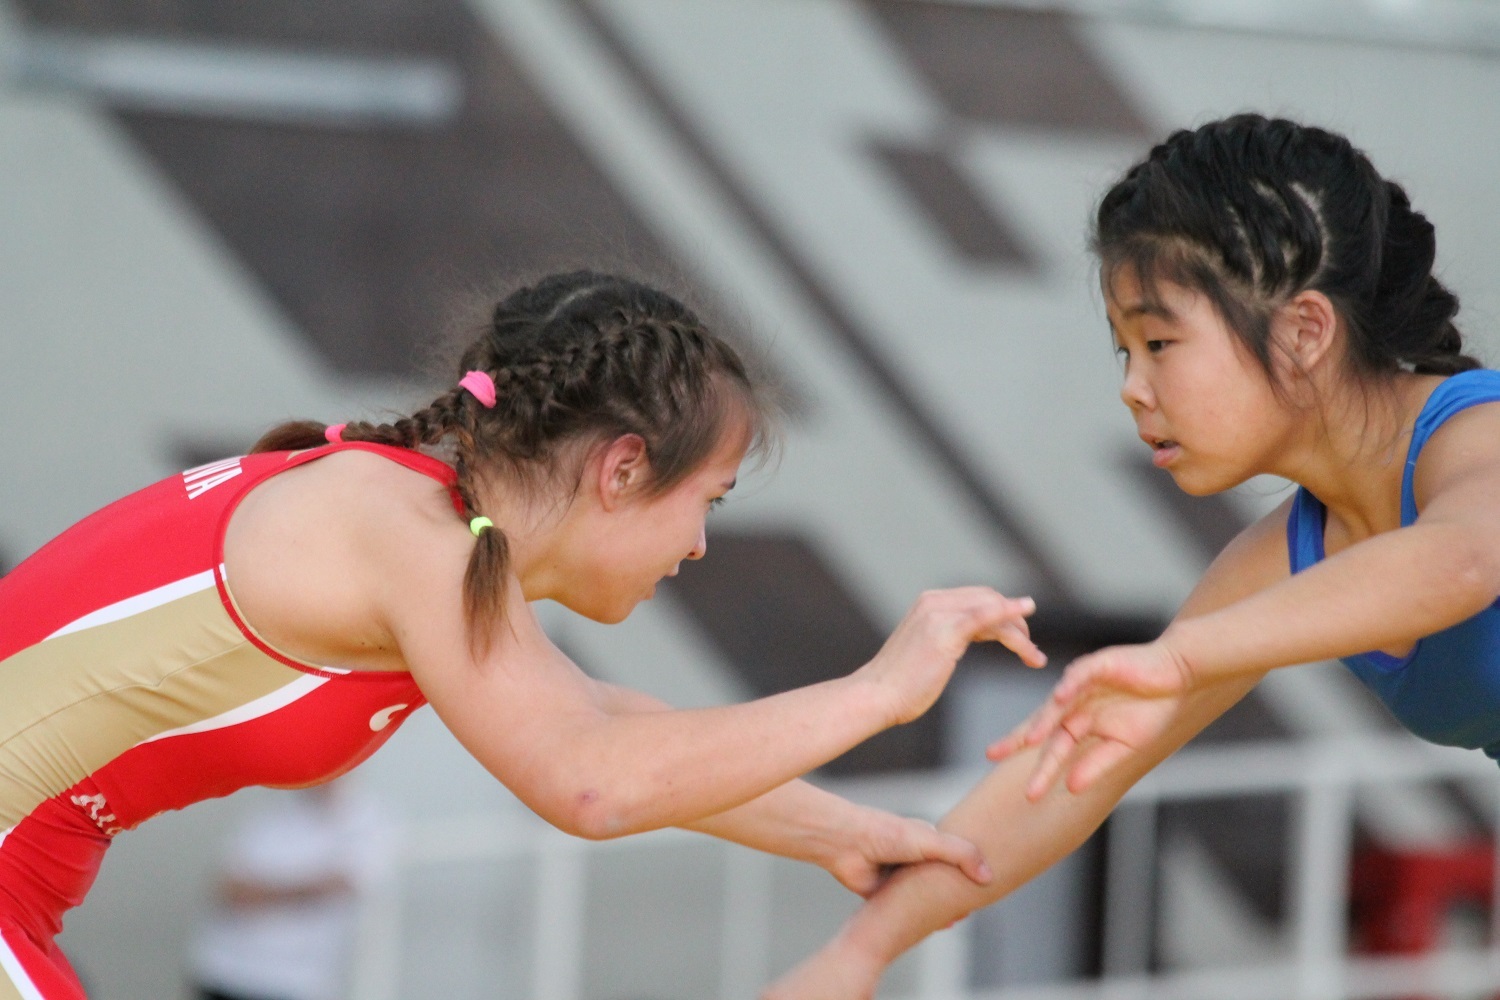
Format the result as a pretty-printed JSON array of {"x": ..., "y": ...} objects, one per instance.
[{"x": 1401, "y": 899}]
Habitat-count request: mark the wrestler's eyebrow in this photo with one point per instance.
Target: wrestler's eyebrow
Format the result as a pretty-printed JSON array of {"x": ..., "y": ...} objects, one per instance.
[{"x": 1146, "y": 308}]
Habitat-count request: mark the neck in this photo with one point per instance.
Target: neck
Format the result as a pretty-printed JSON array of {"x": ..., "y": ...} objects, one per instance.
[
  {"x": 1353, "y": 453},
  {"x": 536, "y": 529}
]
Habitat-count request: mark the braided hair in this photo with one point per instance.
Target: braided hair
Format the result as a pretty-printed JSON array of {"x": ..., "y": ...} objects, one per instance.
[
  {"x": 574, "y": 357},
  {"x": 1251, "y": 211}
]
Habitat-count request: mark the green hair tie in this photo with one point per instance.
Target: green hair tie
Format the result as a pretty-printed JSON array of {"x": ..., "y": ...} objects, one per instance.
[{"x": 479, "y": 524}]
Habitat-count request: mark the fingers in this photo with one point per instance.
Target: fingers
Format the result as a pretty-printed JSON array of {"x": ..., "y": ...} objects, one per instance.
[
  {"x": 959, "y": 853},
  {"x": 1044, "y": 722},
  {"x": 1028, "y": 734},
  {"x": 1016, "y": 637},
  {"x": 1076, "y": 748},
  {"x": 903, "y": 841},
  {"x": 1139, "y": 670},
  {"x": 1095, "y": 763},
  {"x": 865, "y": 882},
  {"x": 1003, "y": 619},
  {"x": 978, "y": 614},
  {"x": 1084, "y": 673},
  {"x": 1004, "y": 747},
  {"x": 1058, "y": 747},
  {"x": 1090, "y": 671}
]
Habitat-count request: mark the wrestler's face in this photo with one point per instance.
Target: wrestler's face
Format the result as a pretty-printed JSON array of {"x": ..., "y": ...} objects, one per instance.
[
  {"x": 644, "y": 535},
  {"x": 1200, "y": 400}
]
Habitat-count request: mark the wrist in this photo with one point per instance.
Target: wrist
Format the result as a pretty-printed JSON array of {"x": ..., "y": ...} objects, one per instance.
[
  {"x": 875, "y": 703},
  {"x": 1180, "y": 643},
  {"x": 830, "y": 825}
]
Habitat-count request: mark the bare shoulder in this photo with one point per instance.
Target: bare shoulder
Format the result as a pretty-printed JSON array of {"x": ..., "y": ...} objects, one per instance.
[
  {"x": 347, "y": 496},
  {"x": 1466, "y": 448},
  {"x": 1255, "y": 559},
  {"x": 313, "y": 554}
]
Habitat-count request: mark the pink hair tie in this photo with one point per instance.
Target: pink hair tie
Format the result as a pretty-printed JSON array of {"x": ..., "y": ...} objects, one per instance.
[
  {"x": 335, "y": 433},
  {"x": 481, "y": 385}
]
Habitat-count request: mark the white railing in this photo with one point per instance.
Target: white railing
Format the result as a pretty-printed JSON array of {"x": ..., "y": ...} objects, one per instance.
[{"x": 1321, "y": 776}]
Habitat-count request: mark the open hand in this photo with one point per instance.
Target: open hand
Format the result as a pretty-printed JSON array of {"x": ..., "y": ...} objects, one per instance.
[
  {"x": 916, "y": 662},
  {"x": 1107, "y": 706}
]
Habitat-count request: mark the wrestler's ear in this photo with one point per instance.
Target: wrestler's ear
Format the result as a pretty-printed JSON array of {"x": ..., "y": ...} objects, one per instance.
[
  {"x": 623, "y": 467},
  {"x": 1306, "y": 330}
]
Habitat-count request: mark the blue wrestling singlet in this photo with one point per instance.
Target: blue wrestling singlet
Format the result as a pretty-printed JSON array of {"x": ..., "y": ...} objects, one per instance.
[{"x": 1447, "y": 690}]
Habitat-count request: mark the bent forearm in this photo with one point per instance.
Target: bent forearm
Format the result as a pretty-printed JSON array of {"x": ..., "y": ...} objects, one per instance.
[
  {"x": 634, "y": 770},
  {"x": 674, "y": 768},
  {"x": 797, "y": 821}
]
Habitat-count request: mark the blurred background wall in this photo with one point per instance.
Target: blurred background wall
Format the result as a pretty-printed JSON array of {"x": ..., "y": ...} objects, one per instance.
[{"x": 217, "y": 216}]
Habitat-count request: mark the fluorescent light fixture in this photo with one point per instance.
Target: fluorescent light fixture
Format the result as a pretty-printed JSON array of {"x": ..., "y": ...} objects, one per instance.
[
  {"x": 1458, "y": 25},
  {"x": 231, "y": 81}
]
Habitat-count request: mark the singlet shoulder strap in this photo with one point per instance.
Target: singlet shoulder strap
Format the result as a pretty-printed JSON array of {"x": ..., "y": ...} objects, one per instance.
[
  {"x": 1304, "y": 530},
  {"x": 414, "y": 460},
  {"x": 1452, "y": 395}
]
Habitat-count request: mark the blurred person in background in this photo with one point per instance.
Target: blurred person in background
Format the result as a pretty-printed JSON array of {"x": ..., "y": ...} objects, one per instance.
[
  {"x": 1274, "y": 302},
  {"x": 285, "y": 909},
  {"x": 270, "y": 619}
]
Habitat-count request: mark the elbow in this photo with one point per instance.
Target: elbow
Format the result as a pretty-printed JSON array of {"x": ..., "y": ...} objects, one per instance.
[
  {"x": 1473, "y": 573},
  {"x": 586, "y": 791},
  {"x": 591, "y": 813}
]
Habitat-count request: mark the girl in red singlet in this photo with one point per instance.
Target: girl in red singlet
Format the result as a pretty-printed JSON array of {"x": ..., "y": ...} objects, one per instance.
[{"x": 272, "y": 619}]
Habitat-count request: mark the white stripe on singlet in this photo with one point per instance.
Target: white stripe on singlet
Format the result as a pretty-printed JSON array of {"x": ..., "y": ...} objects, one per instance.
[
  {"x": 11, "y": 968},
  {"x": 140, "y": 602},
  {"x": 264, "y": 705}
]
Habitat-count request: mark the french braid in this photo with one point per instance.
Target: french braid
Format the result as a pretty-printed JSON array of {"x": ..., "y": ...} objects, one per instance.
[
  {"x": 1250, "y": 211},
  {"x": 578, "y": 356}
]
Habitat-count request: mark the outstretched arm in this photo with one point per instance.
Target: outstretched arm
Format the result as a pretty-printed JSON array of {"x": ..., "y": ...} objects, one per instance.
[
  {"x": 536, "y": 722},
  {"x": 856, "y": 844},
  {"x": 1387, "y": 591},
  {"x": 1021, "y": 837}
]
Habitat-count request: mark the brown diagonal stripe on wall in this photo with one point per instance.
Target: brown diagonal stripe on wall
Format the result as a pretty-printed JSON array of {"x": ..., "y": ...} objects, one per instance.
[
  {"x": 947, "y": 198},
  {"x": 1209, "y": 523},
  {"x": 370, "y": 238},
  {"x": 779, "y": 613},
  {"x": 1009, "y": 67},
  {"x": 1001, "y": 516}
]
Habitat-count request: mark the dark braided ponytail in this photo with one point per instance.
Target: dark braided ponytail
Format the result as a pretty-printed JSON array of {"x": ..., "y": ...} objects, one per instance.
[
  {"x": 1251, "y": 211},
  {"x": 577, "y": 357}
]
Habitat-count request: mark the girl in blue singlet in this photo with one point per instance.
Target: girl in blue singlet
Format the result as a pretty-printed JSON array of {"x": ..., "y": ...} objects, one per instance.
[{"x": 1273, "y": 301}]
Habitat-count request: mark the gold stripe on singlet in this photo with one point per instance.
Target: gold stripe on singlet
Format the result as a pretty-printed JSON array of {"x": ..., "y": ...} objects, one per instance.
[{"x": 72, "y": 703}]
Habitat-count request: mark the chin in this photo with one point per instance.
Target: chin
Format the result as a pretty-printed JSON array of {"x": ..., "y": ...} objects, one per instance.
[
  {"x": 604, "y": 614},
  {"x": 1201, "y": 486},
  {"x": 612, "y": 614}
]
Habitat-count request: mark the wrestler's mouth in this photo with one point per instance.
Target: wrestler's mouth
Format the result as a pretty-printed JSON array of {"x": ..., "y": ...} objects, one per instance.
[{"x": 1164, "y": 451}]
